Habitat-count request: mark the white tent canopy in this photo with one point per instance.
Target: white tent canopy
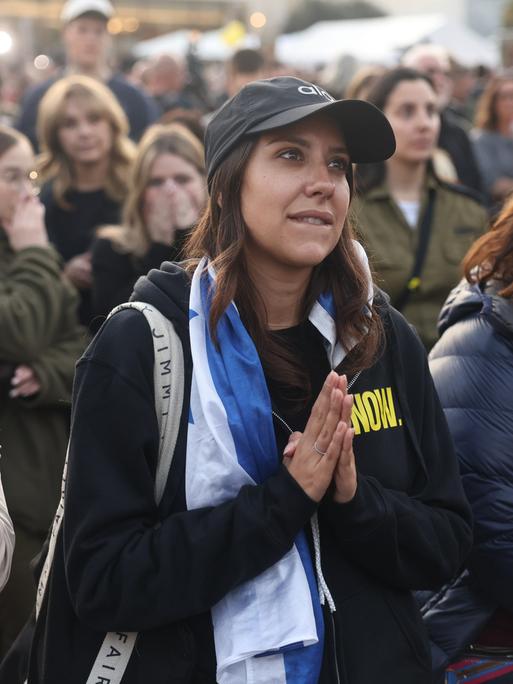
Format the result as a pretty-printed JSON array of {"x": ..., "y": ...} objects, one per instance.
[
  {"x": 210, "y": 46},
  {"x": 382, "y": 40}
]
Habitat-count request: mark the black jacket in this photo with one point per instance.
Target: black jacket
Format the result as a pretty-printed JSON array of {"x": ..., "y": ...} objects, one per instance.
[
  {"x": 124, "y": 564},
  {"x": 472, "y": 367}
]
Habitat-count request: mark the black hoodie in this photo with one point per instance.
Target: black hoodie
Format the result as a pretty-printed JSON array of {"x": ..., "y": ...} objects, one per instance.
[{"x": 124, "y": 564}]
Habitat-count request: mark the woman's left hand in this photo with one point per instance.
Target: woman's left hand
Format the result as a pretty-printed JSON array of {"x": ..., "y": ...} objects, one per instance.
[
  {"x": 345, "y": 472},
  {"x": 344, "y": 478},
  {"x": 24, "y": 382}
]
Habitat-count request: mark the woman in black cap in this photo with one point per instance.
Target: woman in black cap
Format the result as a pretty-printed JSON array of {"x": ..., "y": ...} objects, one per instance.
[{"x": 313, "y": 483}]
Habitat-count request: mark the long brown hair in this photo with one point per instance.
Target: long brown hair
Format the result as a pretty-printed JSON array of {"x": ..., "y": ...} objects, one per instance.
[
  {"x": 221, "y": 235},
  {"x": 486, "y": 108},
  {"x": 491, "y": 256},
  {"x": 369, "y": 176},
  {"x": 54, "y": 163}
]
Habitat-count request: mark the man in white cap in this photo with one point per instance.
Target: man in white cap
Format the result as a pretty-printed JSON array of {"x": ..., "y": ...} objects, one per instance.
[{"x": 86, "y": 43}]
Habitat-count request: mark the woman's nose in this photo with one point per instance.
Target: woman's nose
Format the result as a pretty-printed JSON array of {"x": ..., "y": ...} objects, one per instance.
[
  {"x": 169, "y": 185},
  {"x": 425, "y": 120},
  {"x": 27, "y": 188},
  {"x": 322, "y": 186},
  {"x": 84, "y": 127},
  {"x": 320, "y": 181}
]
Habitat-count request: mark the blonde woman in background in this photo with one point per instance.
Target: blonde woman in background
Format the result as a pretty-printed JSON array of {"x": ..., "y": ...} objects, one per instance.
[
  {"x": 167, "y": 193},
  {"x": 84, "y": 166}
]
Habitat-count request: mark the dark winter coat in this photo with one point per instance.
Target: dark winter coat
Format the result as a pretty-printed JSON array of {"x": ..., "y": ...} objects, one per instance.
[{"x": 472, "y": 366}]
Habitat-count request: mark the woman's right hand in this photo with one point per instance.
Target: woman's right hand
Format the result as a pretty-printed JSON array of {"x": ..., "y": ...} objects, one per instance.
[
  {"x": 171, "y": 209},
  {"x": 324, "y": 432},
  {"x": 27, "y": 226},
  {"x": 159, "y": 219},
  {"x": 80, "y": 271}
]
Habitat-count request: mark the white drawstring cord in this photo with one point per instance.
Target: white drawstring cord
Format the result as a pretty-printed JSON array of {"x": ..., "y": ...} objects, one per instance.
[{"x": 324, "y": 592}]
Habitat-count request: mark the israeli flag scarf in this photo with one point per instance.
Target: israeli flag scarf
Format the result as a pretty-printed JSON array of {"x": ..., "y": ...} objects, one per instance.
[{"x": 270, "y": 629}]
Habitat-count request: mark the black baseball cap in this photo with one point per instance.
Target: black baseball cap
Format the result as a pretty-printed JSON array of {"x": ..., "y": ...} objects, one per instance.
[{"x": 273, "y": 102}]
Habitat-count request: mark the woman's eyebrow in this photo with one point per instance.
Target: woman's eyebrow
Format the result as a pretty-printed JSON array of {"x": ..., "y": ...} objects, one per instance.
[{"x": 297, "y": 140}]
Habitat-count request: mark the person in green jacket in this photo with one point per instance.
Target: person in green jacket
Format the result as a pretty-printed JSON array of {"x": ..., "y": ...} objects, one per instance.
[
  {"x": 401, "y": 198},
  {"x": 39, "y": 344}
]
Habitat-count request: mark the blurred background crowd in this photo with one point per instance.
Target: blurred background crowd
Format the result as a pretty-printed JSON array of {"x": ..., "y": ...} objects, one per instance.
[{"x": 102, "y": 111}]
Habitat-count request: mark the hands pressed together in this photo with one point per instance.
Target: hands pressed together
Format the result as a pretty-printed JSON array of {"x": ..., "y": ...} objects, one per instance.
[
  {"x": 172, "y": 208},
  {"x": 323, "y": 453}
]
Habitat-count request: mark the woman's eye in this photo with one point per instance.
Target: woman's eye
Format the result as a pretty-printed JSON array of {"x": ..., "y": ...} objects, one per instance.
[
  {"x": 293, "y": 155},
  {"x": 182, "y": 179},
  {"x": 406, "y": 111},
  {"x": 155, "y": 182},
  {"x": 341, "y": 164}
]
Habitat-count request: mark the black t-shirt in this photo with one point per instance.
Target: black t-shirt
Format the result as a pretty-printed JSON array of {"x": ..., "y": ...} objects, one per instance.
[
  {"x": 72, "y": 230},
  {"x": 307, "y": 345}
]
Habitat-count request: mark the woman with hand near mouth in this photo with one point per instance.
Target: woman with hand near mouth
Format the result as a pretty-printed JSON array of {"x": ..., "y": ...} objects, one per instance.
[
  {"x": 313, "y": 482},
  {"x": 416, "y": 227},
  {"x": 84, "y": 165},
  {"x": 40, "y": 341},
  {"x": 167, "y": 194}
]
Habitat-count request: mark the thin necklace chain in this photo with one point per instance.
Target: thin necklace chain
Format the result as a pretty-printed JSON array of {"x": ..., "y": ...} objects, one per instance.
[{"x": 350, "y": 384}]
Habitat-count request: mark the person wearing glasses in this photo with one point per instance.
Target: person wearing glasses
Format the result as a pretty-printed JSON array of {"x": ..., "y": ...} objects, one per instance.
[{"x": 40, "y": 341}]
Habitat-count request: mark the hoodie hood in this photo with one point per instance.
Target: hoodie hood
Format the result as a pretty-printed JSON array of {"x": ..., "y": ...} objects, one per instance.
[
  {"x": 167, "y": 289},
  {"x": 473, "y": 299}
]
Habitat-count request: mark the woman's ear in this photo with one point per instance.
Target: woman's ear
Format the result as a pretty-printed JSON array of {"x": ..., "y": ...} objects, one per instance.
[{"x": 220, "y": 201}]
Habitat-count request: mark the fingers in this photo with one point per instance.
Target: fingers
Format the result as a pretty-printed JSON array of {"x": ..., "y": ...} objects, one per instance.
[
  {"x": 21, "y": 374},
  {"x": 320, "y": 408},
  {"x": 345, "y": 472},
  {"x": 24, "y": 382},
  {"x": 347, "y": 407},
  {"x": 289, "y": 450},
  {"x": 25, "y": 389},
  {"x": 335, "y": 446},
  {"x": 332, "y": 418}
]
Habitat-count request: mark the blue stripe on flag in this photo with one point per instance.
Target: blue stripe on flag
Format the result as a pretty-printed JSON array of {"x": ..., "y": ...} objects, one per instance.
[
  {"x": 303, "y": 665},
  {"x": 327, "y": 302},
  {"x": 243, "y": 390}
]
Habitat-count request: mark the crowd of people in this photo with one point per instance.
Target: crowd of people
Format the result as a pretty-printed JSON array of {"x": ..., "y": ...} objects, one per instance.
[{"x": 337, "y": 501}]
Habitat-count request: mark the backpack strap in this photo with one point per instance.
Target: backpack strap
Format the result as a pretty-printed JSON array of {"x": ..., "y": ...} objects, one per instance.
[
  {"x": 168, "y": 379},
  {"x": 168, "y": 376}
]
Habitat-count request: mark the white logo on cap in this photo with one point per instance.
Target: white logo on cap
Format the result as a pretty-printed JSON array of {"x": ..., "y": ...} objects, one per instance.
[{"x": 315, "y": 90}]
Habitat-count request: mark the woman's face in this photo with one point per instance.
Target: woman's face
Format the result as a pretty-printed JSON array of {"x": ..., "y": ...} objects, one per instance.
[
  {"x": 412, "y": 111},
  {"x": 295, "y": 195},
  {"x": 85, "y": 136},
  {"x": 16, "y": 165},
  {"x": 173, "y": 177},
  {"x": 504, "y": 103}
]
